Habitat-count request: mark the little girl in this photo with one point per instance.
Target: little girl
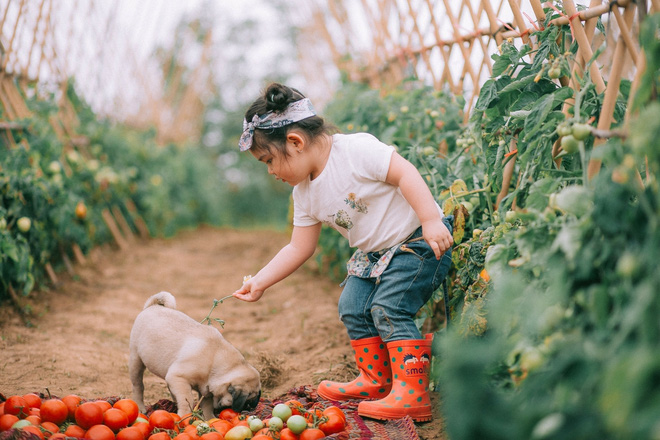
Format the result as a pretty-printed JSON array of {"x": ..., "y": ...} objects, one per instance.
[{"x": 377, "y": 200}]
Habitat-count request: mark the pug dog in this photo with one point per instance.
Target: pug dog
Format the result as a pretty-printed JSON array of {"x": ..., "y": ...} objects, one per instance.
[{"x": 189, "y": 356}]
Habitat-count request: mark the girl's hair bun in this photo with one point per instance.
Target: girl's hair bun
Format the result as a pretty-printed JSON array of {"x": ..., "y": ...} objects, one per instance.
[{"x": 278, "y": 97}]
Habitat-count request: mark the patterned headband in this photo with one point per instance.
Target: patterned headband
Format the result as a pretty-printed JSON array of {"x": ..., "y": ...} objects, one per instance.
[{"x": 296, "y": 111}]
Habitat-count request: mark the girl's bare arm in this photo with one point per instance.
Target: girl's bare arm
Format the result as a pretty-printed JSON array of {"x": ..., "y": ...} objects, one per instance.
[
  {"x": 286, "y": 261},
  {"x": 404, "y": 175}
]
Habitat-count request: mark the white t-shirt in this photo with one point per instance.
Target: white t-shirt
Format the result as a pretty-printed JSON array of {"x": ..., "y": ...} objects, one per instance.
[{"x": 351, "y": 195}]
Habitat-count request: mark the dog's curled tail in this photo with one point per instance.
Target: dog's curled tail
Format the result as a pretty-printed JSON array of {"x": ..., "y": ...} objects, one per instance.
[{"x": 164, "y": 299}]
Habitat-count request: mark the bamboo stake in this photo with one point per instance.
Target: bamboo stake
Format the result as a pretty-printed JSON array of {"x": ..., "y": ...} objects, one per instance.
[
  {"x": 626, "y": 34},
  {"x": 34, "y": 37},
  {"x": 585, "y": 46},
  {"x": 520, "y": 22},
  {"x": 13, "y": 36},
  {"x": 114, "y": 229},
  {"x": 609, "y": 102}
]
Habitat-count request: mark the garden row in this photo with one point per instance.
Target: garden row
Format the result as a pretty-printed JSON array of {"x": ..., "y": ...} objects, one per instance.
[{"x": 553, "y": 303}]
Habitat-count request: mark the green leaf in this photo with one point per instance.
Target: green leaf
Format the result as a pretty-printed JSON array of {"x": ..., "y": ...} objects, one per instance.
[{"x": 487, "y": 94}]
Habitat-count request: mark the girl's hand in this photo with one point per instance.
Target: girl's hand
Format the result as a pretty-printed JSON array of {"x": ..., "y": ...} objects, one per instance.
[
  {"x": 249, "y": 292},
  {"x": 437, "y": 236}
]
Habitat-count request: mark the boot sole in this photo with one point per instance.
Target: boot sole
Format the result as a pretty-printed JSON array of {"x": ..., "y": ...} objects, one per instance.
[{"x": 423, "y": 417}]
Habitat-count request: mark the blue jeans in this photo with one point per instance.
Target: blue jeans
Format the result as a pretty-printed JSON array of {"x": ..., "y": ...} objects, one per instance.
[{"x": 386, "y": 306}]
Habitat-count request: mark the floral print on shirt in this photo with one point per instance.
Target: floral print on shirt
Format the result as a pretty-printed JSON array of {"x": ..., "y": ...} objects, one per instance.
[{"x": 356, "y": 203}]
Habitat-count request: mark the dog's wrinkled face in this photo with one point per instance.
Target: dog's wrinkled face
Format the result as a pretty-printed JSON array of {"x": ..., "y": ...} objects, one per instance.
[{"x": 241, "y": 394}]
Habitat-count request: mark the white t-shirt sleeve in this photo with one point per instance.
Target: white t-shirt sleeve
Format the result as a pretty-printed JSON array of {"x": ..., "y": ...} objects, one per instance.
[
  {"x": 301, "y": 210},
  {"x": 372, "y": 157}
]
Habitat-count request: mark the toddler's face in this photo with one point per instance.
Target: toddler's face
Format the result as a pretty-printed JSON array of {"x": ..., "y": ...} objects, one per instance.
[{"x": 290, "y": 169}]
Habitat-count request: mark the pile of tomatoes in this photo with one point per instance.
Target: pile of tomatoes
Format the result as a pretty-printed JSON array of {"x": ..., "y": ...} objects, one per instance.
[{"x": 73, "y": 417}]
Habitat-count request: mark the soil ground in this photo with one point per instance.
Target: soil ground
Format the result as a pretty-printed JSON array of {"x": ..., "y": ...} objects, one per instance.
[{"x": 75, "y": 340}]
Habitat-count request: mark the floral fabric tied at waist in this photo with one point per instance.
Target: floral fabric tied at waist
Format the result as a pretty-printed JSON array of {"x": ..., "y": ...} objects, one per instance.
[
  {"x": 362, "y": 265},
  {"x": 296, "y": 111}
]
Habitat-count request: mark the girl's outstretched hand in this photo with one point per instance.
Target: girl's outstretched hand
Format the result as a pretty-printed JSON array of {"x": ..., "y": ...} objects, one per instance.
[
  {"x": 249, "y": 291},
  {"x": 437, "y": 236}
]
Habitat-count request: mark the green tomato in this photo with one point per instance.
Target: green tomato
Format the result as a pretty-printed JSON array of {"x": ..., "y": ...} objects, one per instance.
[
  {"x": 24, "y": 224},
  {"x": 282, "y": 411},
  {"x": 21, "y": 424},
  {"x": 581, "y": 131},
  {"x": 428, "y": 151},
  {"x": 296, "y": 424},
  {"x": 239, "y": 432},
  {"x": 554, "y": 72},
  {"x": 467, "y": 205},
  {"x": 564, "y": 129},
  {"x": 510, "y": 216},
  {"x": 54, "y": 167},
  {"x": 275, "y": 423},
  {"x": 531, "y": 359},
  {"x": 255, "y": 423},
  {"x": 627, "y": 266},
  {"x": 569, "y": 144}
]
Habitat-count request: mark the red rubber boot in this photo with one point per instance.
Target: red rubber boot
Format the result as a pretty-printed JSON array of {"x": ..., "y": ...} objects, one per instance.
[
  {"x": 411, "y": 361},
  {"x": 374, "y": 380}
]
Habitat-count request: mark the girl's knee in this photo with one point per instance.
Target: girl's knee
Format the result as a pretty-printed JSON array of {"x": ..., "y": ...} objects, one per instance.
[{"x": 382, "y": 322}]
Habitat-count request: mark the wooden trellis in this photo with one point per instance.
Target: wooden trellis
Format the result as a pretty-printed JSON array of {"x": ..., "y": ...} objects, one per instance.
[
  {"x": 50, "y": 41},
  {"x": 449, "y": 43}
]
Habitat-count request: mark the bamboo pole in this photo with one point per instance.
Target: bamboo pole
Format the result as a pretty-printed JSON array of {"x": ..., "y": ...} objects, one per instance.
[
  {"x": 9, "y": 49},
  {"x": 34, "y": 37},
  {"x": 609, "y": 101}
]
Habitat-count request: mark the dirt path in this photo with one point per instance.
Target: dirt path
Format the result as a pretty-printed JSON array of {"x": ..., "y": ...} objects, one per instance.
[{"x": 79, "y": 339}]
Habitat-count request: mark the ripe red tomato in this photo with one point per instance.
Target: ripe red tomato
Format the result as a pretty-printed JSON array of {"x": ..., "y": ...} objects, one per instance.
[
  {"x": 54, "y": 410},
  {"x": 33, "y": 400},
  {"x": 144, "y": 427},
  {"x": 333, "y": 425},
  {"x": 34, "y": 430},
  {"x": 334, "y": 410},
  {"x": 313, "y": 414},
  {"x": 191, "y": 430},
  {"x": 58, "y": 436},
  {"x": 99, "y": 432},
  {"x": 296, "y": 407},
  {"x": 72, "y": 402},
  {"x": 212, "y": 436},
  {"x": 103, "y": 404},
  {"x": 49, "y": 428},
  {"x": 88, "y": 414},
  {"x": 74, "y": 431},
  {"x": 262, "y": 437},
  {"x": 115, "y": 419},
  {"x": 6, "y": 420},
  {"x": 35, "y": 420},
  {"x": 129, "y": 407},
  {"x": 287, "y": 434},
  {"x": 161, "y": 419},
  {"x": 222, "y": 426},
  {"x": 162, "y": 435},
  {"x": 183, "y": 436},
  {"x": 130, "y": 433},
  {"x": 312, "y": 434},
  {"x": 227, "y": 414},
  {"x": 17, "y": 406}
]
